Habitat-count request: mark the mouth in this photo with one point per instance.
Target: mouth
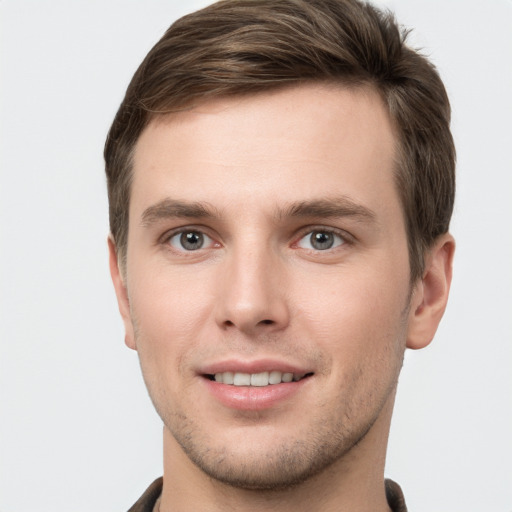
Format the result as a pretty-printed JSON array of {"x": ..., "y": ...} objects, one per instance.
[
  {"x": 256, "y": 385},
  {"x": 260, "y": 379}
]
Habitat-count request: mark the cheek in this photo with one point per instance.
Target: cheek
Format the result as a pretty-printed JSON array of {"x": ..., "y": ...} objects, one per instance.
[
  {"x": 354, "y": 318},
  {"x": 166, "y": 325},
  {"x": 168, "y": 312}
]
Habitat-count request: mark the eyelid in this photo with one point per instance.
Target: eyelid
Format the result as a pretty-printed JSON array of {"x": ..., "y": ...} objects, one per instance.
[
  {"x": 166, "y": 237},
  {"x": 303, "y": 232},
  {"x": 308, "y": 230}
]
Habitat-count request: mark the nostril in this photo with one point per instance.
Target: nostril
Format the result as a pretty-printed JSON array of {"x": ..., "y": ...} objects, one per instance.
[{"x": 229, "y": 324}]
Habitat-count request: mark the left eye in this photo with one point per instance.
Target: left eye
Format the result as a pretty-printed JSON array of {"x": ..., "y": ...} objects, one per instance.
[
  {"x": 190, "y": 240},
  {"x": 319, "y": 240}
]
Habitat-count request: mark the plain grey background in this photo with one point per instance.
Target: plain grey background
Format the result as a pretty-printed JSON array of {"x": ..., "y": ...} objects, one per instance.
[{"x": 77, "y": 430}]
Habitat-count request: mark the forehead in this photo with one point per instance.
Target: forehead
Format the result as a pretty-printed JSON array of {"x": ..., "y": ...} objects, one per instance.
[{"x": 309, "y": 141}]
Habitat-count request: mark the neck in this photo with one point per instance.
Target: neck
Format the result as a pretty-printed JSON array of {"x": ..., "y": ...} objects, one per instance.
[{"x": 355, "y": 482}]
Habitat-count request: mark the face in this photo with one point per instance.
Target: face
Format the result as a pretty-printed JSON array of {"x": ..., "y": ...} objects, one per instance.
[{"x": 266, "y": 287}]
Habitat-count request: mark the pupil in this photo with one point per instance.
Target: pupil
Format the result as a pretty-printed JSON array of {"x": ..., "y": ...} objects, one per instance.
[
  {"x": 322, "y": 240},
  {"x": 192, "y": 240}
]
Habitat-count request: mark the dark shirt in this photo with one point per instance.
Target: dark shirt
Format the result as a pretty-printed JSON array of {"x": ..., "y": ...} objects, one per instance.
[{"x": 147, "y": 501}]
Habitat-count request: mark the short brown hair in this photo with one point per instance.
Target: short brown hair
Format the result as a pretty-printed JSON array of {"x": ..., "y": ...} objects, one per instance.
[{"x": 236, "y": 47}]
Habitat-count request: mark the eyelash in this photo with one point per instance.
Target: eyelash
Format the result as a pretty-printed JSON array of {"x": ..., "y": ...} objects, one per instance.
[
  {"x": 344, "y": 237},
  {"x": 166, "y": 239}
]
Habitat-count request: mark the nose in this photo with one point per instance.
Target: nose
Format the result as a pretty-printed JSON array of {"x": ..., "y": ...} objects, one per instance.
[{"x": 251, "y": 293}]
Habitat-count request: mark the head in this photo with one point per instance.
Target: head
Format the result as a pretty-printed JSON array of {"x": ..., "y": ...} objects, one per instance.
[
  {"x": 280, "y": 180},
  {"x": 235, "y": 48}
]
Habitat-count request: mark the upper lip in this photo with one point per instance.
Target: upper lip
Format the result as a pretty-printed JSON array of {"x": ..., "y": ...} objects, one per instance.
[{"x": 256, "y": 366}]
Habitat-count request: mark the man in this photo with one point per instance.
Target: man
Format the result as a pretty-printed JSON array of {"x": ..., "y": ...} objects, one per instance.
[{"x": 281, "y": 181}]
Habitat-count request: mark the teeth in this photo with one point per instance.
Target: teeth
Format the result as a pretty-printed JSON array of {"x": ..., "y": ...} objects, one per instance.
[
  {"x": 241, "y": 379},
  {"x": 225, "y": 378},
  {"x": 257, "y": 379},
  {"x": 228, "y": 377},
  {"x": 274, "y": 377}
]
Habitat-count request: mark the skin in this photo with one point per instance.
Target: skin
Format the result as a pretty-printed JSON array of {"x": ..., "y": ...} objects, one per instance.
[{"x": 259, "y": 289}]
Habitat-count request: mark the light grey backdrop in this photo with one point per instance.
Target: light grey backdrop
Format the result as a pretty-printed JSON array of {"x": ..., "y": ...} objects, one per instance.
[{"x": 77, "y": 431}]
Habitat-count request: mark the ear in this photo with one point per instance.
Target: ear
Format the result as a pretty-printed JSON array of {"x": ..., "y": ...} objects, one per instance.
[
  {"x": 431, "y": 293},
  {"x": 122, "y": 295}
]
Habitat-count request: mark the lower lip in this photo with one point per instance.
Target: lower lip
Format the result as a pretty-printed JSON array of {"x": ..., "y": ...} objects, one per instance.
[{"x": 254, "y": 398}]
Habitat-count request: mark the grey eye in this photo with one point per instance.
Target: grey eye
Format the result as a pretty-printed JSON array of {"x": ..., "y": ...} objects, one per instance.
[
  {"x": 320, "y": 240},
  {"x": 189, "y": 240}
]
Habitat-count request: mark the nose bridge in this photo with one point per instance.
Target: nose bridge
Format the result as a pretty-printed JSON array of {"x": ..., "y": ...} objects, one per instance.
[{"x": 250, "y": 295}]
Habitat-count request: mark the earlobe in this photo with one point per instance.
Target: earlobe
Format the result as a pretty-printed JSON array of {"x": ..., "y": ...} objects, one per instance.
[
  {"x": 121, "y": 294},
  {"x": 430, "y": 295}
]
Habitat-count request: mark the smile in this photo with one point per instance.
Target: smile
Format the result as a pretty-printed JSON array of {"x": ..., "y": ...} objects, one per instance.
[{"x": 260, "y": 379}]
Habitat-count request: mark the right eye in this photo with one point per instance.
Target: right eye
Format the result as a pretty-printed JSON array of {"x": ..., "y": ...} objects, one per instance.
[
  {"x": 190, "y": 240},
  {"x": 321, "y": 240}
]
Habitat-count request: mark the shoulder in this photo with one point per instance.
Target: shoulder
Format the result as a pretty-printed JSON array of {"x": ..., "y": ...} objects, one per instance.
[
  {"x": 395, "y": 496},
  {"x": 147, "y": 501}
]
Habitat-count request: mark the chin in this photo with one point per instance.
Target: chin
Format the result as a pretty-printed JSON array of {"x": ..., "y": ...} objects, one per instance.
[
  {"x": 284, "y": 468},
  {"x": 268, "y": 463}
]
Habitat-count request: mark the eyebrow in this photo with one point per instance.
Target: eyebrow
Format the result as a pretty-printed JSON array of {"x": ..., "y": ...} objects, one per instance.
[
  {"x": 320, "y": 208},
  {"x": 172, "y": 208},
  {"x": 329, "y": 208}
]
